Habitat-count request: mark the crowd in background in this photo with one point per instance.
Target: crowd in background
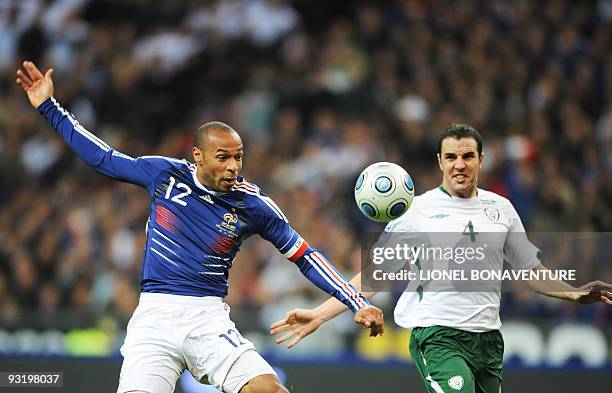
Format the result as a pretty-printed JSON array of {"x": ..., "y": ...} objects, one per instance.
[{"x": 317, "y": 90}]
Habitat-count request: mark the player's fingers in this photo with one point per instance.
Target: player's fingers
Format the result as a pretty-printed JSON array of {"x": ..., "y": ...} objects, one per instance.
[
  {"x": 294, "y": 342},
  {"x": 291, "y": 317},
  {"x": 49, "y": 73},
  {"x": 24, "y": 78},
  {"x": 280, "y": 329},
  {"x": 372, "y": 320},
  {"x": 21, "y": 84},
  {"x": 381, "y": 327},
  {"x": 285, "y": 337},
  {"x": 379, "y": 317},
  {"x": 32, "y": 70},
  {"x": 278, "y": 324},
  {"x": 375, "y": 317},
  {"x": 377, "y": 328}
]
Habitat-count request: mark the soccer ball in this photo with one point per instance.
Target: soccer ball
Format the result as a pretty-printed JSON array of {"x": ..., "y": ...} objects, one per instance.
[{"x": 384, "y": 191}]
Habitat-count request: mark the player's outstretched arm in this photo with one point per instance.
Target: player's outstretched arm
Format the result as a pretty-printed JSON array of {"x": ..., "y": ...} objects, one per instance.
[
  {"x": 596, "y": 291},
  {"x": 300, "y": 323},
  {"x": 275, "y": 228},
  {"x": 91, "y": 149}
]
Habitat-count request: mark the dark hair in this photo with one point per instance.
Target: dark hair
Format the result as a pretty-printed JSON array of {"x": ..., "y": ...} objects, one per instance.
[
  {"x": 459, "y": 131},
  {"x": 201, "y": 134}
]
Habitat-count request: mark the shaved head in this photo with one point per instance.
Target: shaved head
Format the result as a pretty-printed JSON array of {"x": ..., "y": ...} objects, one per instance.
[{"x": 202, "y": 134}]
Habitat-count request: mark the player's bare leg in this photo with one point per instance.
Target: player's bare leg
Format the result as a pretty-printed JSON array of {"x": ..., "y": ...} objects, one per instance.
[{"x": 264, "y": 384}]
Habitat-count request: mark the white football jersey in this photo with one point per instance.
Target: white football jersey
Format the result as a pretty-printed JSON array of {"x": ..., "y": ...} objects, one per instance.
[{"x": 487, "y": 214}]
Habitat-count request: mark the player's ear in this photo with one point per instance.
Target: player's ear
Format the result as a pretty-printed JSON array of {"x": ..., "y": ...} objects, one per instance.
[
  {"x": 481, "y": 159},
  {"x": 197, "y": 156},
  {"x": 439, "y": 162}
]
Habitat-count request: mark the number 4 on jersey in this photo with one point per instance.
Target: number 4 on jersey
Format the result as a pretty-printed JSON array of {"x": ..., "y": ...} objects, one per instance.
[{"x": 469, "y": 230}]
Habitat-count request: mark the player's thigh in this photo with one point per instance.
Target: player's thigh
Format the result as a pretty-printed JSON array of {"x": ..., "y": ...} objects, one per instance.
[
  {"x": 213, "y": 347},
  {"x": 152, "y": 372},
  {"x": 489, "y": 377},
  {"x": 451, "y": 374},
  {"x": 442, "y": 368},
  {"x": 151, "y": 362},
  {"x": 488, "y": 383},
  {"x": 251, "y": 373}
]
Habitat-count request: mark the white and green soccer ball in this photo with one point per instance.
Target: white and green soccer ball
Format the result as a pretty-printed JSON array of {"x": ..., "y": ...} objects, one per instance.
[{"x": 384, "y": 191}]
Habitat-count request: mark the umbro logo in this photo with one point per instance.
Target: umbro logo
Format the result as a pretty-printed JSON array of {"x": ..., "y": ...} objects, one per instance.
[{"x": 207, "y": 198}]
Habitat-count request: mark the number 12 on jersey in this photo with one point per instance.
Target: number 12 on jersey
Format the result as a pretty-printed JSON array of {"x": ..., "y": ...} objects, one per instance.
[
  {"x": 235, "y": 333},
  {"x": 179, "y": 197}
]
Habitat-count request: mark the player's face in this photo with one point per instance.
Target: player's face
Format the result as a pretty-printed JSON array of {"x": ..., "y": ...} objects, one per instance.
[
  {"x": 220, "y": 159},
  {"x": 460, "y": 163}
]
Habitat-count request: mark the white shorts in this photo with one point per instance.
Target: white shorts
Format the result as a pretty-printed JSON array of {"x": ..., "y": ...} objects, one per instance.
[{"x": 169, "y": 333}]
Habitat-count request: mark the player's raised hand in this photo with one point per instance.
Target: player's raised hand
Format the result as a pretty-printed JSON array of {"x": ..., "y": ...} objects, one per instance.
[
  {"x": 596, "y": 291},
  {"x": 39, "y": 87},
  {"x": 298, "y": 324},
  {"x": 371, "y": 317}
]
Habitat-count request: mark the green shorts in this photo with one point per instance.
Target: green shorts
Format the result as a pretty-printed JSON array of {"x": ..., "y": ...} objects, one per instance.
[{"x": 451, "y": 360}]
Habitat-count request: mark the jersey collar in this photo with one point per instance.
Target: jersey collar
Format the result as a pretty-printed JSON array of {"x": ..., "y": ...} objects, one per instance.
[
  {"x": 200, "y": 185},
  {"x": 441, "y": 188}
]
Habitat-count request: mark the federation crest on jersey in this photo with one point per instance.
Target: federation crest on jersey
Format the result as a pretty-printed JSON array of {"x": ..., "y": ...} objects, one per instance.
[
  {"x": 230, "y": 218},
  {"x": 492, "y": 213},
  {"x": 456, "y": 382},
  {"x": 227, "y": 226}
]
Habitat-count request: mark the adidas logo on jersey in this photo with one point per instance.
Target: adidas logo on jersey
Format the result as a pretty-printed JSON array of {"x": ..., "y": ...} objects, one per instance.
[{"x": 207, "y": 198}]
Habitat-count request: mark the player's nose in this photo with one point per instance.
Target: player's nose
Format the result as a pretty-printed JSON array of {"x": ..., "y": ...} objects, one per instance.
[{"x": 233, "y": 166}]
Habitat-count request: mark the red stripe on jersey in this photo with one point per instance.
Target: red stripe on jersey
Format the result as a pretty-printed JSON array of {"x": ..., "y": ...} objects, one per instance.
[
  {"x": 246, "y": 185},
  {"x": 165, "y": 218},
  {"x": 300, "y": 252},
  {"x": 332, "y": 272},
  {"x": 224, "y": 245}
]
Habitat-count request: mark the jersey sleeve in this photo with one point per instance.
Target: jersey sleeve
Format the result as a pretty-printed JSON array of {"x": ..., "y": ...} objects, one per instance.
[
  {"x": 275, "y": 228},
  {"x": 97, "y": 154},
  {"x": 519, "y": 252}
]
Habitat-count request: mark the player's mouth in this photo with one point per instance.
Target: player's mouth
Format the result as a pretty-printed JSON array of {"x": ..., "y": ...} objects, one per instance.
[
  {"x": 228, "y": 181},
  {"x": 460, "y": 178}
]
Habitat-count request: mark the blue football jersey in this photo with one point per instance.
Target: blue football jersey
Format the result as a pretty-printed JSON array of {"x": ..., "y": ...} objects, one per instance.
[{"x": 194, "y": 233}]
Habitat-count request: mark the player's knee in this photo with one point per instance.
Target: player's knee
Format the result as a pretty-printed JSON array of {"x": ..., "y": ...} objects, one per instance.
[{"x": 264, "y": 384}]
